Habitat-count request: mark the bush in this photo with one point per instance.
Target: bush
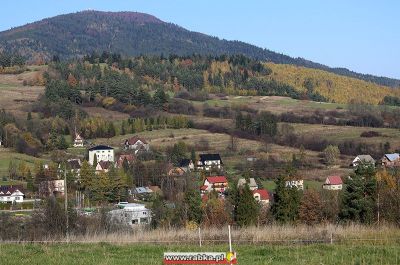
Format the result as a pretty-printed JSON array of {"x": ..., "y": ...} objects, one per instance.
[{"x": 370, "y": 134}]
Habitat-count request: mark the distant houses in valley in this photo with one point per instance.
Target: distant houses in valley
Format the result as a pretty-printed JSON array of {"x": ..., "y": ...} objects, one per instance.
[
  {"x": 131, "y": 214},
  {"x": 78, "y": 141},
  {"x": 333, "y": 183},
  {"x": 295, "y": 183},
  {"x": 209, "y": 161},
  {"x": 11, "y": 194},
  {"x": 101, "y": 153}
]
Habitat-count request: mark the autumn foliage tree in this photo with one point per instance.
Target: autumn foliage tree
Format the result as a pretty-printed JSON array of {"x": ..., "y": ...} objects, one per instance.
[{"x": 311, "y": 208}]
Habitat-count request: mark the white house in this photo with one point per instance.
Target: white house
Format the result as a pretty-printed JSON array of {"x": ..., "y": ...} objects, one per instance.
[
  {"x": 102, "y": 153},
  {"x": 207, "y": 161},
  {"x": 261, "y": 196},
  {"x": 217, "y": 183},
  {"x": 363, "y": 159},
  {"x": 11, "y": 194},
  {"x": 131, "y": 214},
  {"x": 78, "y": 142},
  {"x": 252, "y": 183},
  {"x": 295, "y": 183},
  {"x": 333, "y": 183},
  {"x": 137, "y": 144}
]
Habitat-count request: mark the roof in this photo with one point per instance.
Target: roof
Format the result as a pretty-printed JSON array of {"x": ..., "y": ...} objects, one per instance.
[
  {"x": 366, "y": 158},
  {"x": 101, "y": 147},
  {"x": 78, "y": 137},
  {"x": 9, "y": 190},
  {"x": 185, "y": 162},
  {"x": 392, "y": 157},
  {"x": 264, "y": 195},
  {"x": 252, "y": 182},
  {"x": 334, "y": 180},
  {"x": 210, "y": 157},
  {"x": 204, "y": 187},
  {"x": 134, "y": 139},
  {"x": 142, "y": 190},
  {"x": 217, "y": 179}
]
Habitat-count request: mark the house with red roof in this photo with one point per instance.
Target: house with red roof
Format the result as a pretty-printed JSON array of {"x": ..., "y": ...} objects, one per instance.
[
  {"x": 121, "y": 158},
  {"x": 216, "y": 183},
  {"x": 333, "y": 183},
  {"x": 261, "y": 196},
  {"x": 137, "y": 144}
]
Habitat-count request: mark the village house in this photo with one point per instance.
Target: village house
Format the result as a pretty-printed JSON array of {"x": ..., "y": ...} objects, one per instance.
[
  {"x": 103, "y": 166},
  {"x": 141, "y": 193},
  {"x": 261, "y": 196},
  {"x": 252, "y": 183},
  {"x": 333, "y": 183},
  {"x": 124, "y": 157},
  {"x": 295, "y": 183},
  {"x": 131, "y": 214},
  {"x": 11, "y": 194},
  {"x": 187, "y": 165},
  {"x": 74, "y": 165},
  {"x": 52, "y": 187},
  {"x": 136, "y": 144},
  {"x": 391, "y": 160},
  {"x": 102, "y": 153},
  {"x": 216, "y": 183},
  {"x": 208, "y": 161},
  {"x": 78, "y": 141},
  {"x": 363, "y": 159},
  {"x": 176, "y": 172}
]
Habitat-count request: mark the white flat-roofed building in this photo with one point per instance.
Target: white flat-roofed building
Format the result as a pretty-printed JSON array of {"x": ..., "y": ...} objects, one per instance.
[
  {"x": 131, "y": 214},
  {"x": 102, "y": 153}
]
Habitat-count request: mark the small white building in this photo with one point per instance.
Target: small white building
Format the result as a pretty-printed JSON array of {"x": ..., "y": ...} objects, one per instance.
[
  {"x": 208, "y": 161},
  {"x": 295, "y": 183},
  {"x": 11, "y": 194},
  {"x": 362, "y": 160},
  {"x": 131, "y": 214},
  {"x": 261, "y": 196},
  {"x": 333, "y": 183},
  {"x": 252, "y": 183},
  {"x": 102, "y": 153},
  {"x": 52, "y": 187},
  {"x": 78, "y": 141}
]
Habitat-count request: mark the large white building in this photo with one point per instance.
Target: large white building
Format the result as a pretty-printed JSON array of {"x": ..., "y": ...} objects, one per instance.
[
  {"x": 11, "y": 194},
  {"x": 102, "y": 153},
  {"x": 131, "y": 214}
]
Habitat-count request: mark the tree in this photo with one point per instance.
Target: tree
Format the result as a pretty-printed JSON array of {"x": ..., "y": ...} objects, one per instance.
[
  {"x": 246, "y": 208},
  {"x": 160, "y": 98},
  {"x": 331, "y": 154},
  {"x": 359, "y": 195},
  {"x": 87, "y": 176},
  {"x": 311, "y": 208},
  {"x": 285, "y": 208},
  {"x": 192, "y": 206},
  {"x": 62, "y": 143}
]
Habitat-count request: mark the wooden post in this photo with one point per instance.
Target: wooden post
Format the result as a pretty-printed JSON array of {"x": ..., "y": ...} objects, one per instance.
[{"x": 200, "y": 236}]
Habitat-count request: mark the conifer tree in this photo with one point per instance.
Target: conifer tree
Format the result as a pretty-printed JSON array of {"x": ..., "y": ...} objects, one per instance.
[{"x": 247, "y": 208}]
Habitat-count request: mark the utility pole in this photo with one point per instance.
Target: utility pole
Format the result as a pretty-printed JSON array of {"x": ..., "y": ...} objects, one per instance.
[{"x": 66, "y": 202}]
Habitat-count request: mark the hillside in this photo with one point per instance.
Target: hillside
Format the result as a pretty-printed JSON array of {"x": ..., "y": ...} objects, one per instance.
[
  {"x": 131, "y": 33},
  {"x": 336, "y": 88}
]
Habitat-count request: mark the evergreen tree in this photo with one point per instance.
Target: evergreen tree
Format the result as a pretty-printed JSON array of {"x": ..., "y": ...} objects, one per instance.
[
  {"x": 286, "y": 202},
  {"x": 247, "y": 208},
  {"x": 62, "y": 143},
  {"x": 192, "y": 206},
  {"x": 358, "y": 200}
]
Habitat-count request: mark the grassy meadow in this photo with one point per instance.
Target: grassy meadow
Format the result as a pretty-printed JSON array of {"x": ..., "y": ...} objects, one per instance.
[{"x": 104, "y": 253}]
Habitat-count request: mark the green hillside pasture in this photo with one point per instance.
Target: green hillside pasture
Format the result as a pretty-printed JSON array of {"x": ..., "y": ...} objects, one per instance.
[{"x": 144, "y": 254}]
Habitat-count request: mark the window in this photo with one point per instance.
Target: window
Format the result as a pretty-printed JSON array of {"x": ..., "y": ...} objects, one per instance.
[
  {"x": 135, "y": 221},
  {"x": 143, "y": 220}
]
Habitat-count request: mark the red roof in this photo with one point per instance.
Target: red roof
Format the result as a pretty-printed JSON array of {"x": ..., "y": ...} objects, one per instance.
[
  {"x": 134, "y": 139},
  {"x": 264, "y": 195},
  {"x": 217, "y": 179},
  {"x": 334, "y": 180},
  {"x": 204, "y": 187}
]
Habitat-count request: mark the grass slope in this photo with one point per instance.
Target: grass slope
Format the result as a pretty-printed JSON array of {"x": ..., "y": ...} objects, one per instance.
[{"x": 63, "y": 254}]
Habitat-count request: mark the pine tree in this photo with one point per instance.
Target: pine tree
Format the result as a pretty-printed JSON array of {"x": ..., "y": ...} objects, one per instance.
[
  {"x": 192, "y": 205},
  {"x": 87, "y": 176},
  {"x": 286, "y": 202},
  {"x": 247, "y": 208}
]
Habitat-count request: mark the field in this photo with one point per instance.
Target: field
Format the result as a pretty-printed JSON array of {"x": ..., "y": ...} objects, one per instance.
[
  {"x": 7, "y": 155},
  {"x": 103, "y": 253}
]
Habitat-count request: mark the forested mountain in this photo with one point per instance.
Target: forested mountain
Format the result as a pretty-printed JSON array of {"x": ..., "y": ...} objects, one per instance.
[{"x": 131, "y": 34}]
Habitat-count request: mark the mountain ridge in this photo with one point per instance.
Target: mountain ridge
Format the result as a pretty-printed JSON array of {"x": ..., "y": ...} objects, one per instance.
[{"x": 134, "y": 33}]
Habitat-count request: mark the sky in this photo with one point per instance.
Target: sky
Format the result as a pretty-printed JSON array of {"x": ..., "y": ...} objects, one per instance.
[{"x": 362, "y": 35}]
